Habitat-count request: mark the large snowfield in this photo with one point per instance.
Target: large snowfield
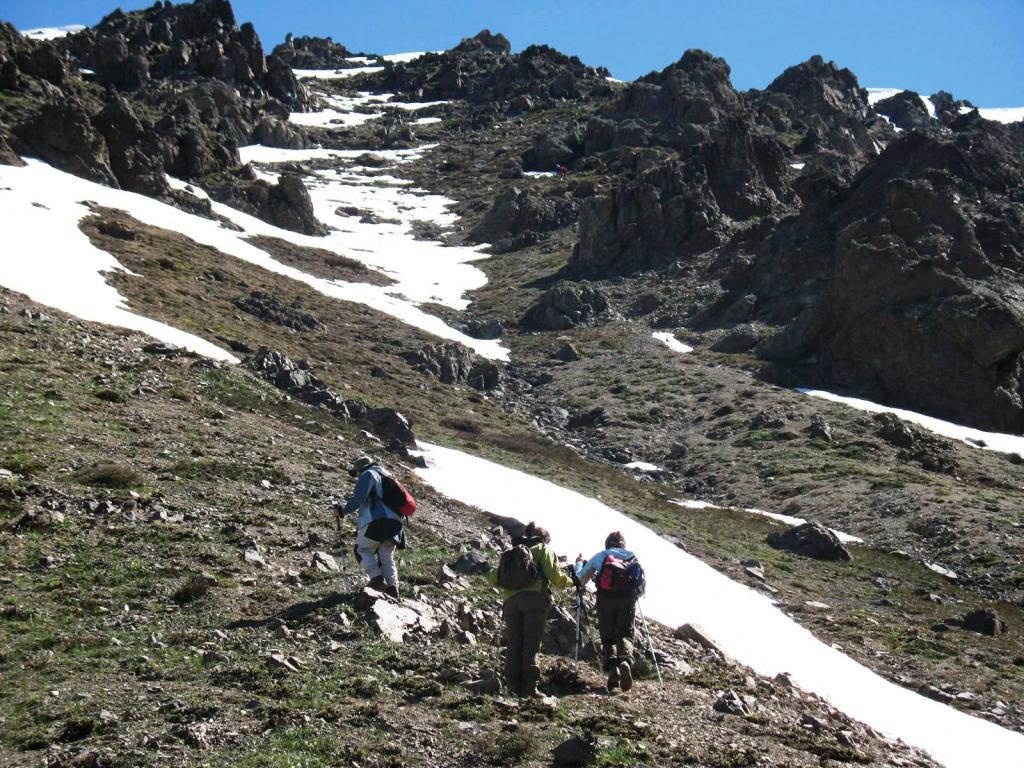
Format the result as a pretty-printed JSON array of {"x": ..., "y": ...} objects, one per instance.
[{"x": 683, "y": 589}]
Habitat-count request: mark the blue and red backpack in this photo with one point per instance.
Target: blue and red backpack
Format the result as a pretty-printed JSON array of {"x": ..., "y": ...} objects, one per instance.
[{"x": 621, "y": 577}]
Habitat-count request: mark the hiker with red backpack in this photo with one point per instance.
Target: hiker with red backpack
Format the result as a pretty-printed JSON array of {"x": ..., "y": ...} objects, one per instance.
[
  {"x": 526, "y": 574},
  {"x": 620, "y": 583},
  {"x": 381, "y": 505}
]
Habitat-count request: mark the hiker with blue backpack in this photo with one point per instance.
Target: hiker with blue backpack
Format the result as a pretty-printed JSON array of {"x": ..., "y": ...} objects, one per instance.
[
  {"x": 381, "y": 506},
  {"x": 620, "y": 582}
]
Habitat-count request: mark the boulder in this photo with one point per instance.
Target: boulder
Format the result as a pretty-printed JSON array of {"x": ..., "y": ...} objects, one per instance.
[
  {"x": 697, "y": 634},
  {"x": 984, "y": 621},
  {"x": 575, "y": 751},
  {"x": 472, "y": 562},
  {"x": 811, "y": 540},
  {"x": 563, "y": 307}
]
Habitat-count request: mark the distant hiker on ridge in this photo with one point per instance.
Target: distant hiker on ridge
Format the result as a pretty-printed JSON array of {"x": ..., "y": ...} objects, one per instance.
[
  {"x": 526, "y": 573},
  {"x": 620, "y": 582},
  {"x": 380, "y": 529},
  {"x": 561, "y": 170}
]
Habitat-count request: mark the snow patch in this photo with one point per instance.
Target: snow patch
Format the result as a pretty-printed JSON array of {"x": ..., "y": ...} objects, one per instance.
[
  {"x": 334, "y": 74},
  {"x": 845, "y": 538},
  {"x": 1002, "y": 114},
  {"x": 993, "y": 441},
  {"x": 48, "y": 258},
  {"x": 643, "y": 466},
  {"x": 742, "y": 622},
  {"x": 52, "y": 33},
  {"x": 670, "y": 341},
  {"x": 403, "y": 58}
]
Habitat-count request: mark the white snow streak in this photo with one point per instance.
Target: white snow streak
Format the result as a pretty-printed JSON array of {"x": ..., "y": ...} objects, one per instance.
[
  {"x": 643, "y": 466},
  {"x": 994, "y": 441},
  {"x": 52, "y": 33},
  {"x": 681, "y": 588},
  {"x": 48, "y": 258},
  {"x": 845, "y": 538},
  {"x": 334, "y": 74},
  {"x": 670, "y": 341}
]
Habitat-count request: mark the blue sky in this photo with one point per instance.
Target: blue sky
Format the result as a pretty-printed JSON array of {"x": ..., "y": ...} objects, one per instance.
[{"x": 972, "y": 48}]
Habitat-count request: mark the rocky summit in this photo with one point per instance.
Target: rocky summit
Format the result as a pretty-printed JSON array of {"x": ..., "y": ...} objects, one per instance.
[{"x": 776, "y": 336}]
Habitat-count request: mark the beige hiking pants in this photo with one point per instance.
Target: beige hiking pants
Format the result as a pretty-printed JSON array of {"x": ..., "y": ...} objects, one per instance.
[{"x": 377, "y": 558}]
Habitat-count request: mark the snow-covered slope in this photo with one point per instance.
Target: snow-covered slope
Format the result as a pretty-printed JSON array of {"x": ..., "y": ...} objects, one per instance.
[
  {"x": 46, "y": 257},
  {"x": 681, "y": 588}
]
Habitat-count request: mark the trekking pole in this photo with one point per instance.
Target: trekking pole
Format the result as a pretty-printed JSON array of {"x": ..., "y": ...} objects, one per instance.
[
  {"x": 650, "y": 645},
  {"x": 579, "y": 613},
  {"x": 342, "y": 555}
]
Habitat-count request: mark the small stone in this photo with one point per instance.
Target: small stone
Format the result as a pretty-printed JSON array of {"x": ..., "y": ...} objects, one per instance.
[{"x": 324, "y": 562}]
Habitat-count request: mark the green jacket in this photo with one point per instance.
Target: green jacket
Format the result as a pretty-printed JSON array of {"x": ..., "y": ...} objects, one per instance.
[{"x": 551, "y": 574}]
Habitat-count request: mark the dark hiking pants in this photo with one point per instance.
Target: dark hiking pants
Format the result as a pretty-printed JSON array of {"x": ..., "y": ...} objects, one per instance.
[
  {"x": 615, "y": 617},
  {"x": 525, "y": 615}
]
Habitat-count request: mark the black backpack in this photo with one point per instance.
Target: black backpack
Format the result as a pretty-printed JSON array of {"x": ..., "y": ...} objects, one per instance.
[{"x": 517, "y": 569}]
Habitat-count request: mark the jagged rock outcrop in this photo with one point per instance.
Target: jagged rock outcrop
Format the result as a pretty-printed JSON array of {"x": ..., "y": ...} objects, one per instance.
[
  {"x": 452, "y": 363},
  {"x": 64, "y": 136},
  {"x": 182, "y": 42},
  {"x": 520, "y": 215},
  {"x": 695, "y": 89},
  {"x": 286, "y": 204},
  {"x": 185, "y": 88},
  {"x": 905, "y": 109},
  {"x": 299, "y": 381},
  {"x": 662, "y": 215},
  {"x": 910, "y": 276},
  {"x": 563, "y": 307},
  {"x": 827, "y": 105},
  {"x": 306, "y": 52},
  {"x": 482, "y": 70},
  {"x": 811, "y": 540}
]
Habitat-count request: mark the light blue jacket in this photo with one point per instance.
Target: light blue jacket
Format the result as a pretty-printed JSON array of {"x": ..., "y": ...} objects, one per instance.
[
  {"x": 366, "y": 499},
  {"x": 592, "y": 568}
]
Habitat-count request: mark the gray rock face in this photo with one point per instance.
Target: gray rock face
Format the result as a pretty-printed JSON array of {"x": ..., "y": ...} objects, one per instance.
[
  {"x": 63, "y": 135},
  {"x": 905, "y": 109},
  {"x": 926, "y": 244},
  {"x": 516, "y": 212},
  {"x": 483, "y": 70},
  {"x": 174, "y": 42},
  {"x": 286, "y": 204},
  {"x": 563, "y": 307},
  {"x": 811, "y": 540},
  {"x": 452, "y": 363},
  {"x": 312, "y": 53}
]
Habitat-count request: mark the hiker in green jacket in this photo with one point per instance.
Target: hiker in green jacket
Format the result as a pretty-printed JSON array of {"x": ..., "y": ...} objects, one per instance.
[{"x": 526, "y": 607}]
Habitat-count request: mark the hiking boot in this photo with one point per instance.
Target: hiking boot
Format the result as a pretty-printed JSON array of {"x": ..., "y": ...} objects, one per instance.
[
  {"x": 613, "y": 678},
  {"x": 392, "y": 591},
  {"x": 625, "y": 676},
  {"x": 378, "y": 583}
]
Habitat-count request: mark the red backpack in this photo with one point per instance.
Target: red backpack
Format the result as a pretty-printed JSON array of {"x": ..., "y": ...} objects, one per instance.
[
  {"x": 621, "y": 578},
  {"x": 395, "y": 496}
]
